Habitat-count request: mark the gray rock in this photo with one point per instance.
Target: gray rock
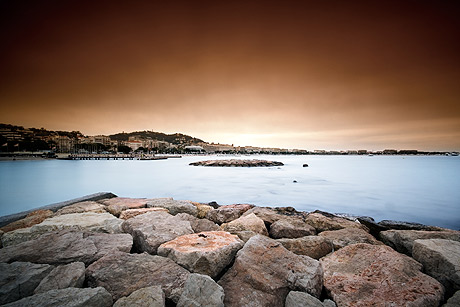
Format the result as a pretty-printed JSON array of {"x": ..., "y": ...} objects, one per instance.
[
  {"x": 291, "y": 228},
  {"x": 123, "y": 273},
  {"x": 71, "y": 275},
  {"x": 440, "y": 259},
  {"x": 199, "y": 225},
  {"x": 245, "y": 235},
  {"x": 84, "y": 222},
  {"x": 205, "y": 253},
  {"x": 248, "y": 222},
  {"x": 398, "y": 225},
  {"x": 149, "y": 296},
  {"x": 150, "y": 230},
  {"x": 323, "y": 221},
  {"x": 65, "y": 247},
  {"x": 68, "y": 297},
  {"x": 403, "y": 240},
  {"x": 86, "y": 206},
  {"x": 454, "y": 301},
  {"x": 312, "y": 246},
  {"x": 19, "y": 279},
  {"x": 264, "y": 272},
  {"x": 343, "y": 237},
  {"x": 201, "y": 291},
  {"x": 302, "y": 299},
  {"x": 174, "y": 206},
  {"x": 228, "y": 213}
]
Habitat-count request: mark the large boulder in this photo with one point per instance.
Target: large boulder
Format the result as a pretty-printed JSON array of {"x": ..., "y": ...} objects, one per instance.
[
  {"x": 291, "y": 228},
  {"x": 312, "y": 246},
  {"x": 403, "y": 240},
  {"x": 84, "y": 206},
  {"x": 65, "y": 247},
  {"x": 31, "y": 219},
  {"x": 118, "y": 204},
  {"x": 441, "y": 260},
  {"x": 19, "y": 279},
  {"x": 228, "y": 213},
  {"x": 199, "y": 225},
  {"x": 343, "y": 237},
  {"x": 174, "y": 206},
  {"x": 122, "y": 274},
  {"x": 71, "y": 275},
  {"x": 85, "y": 222},
  {"x": 302, "y": 299},
  {"x": 264, "y": 272},
  {"x": 375, "y": 275},
  {"x": 248, "y": 222},
  {"x": 202, "y": 209},
  {"x": 323, "y": 222},
  {"x": 150, "y": 230},
  {"x": 201, "y": 290},
  {"x": 130, "y": 213},
  {"x": 205, "y": 253},
  {"x": 69, "y": 297},
  {"x": 150, "y": 296}
]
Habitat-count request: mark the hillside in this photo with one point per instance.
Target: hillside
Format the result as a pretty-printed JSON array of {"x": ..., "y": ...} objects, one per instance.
[{"x": 176, "y": 138}]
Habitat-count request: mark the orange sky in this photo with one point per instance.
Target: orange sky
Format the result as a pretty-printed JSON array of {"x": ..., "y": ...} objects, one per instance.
[{"x": 295, "y": 74}]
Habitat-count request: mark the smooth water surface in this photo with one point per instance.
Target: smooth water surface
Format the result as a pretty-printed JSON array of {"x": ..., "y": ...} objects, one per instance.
[{"x": 424, "y": 189}]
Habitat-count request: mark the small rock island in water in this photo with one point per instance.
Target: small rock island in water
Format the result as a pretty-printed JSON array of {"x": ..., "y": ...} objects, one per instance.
[
  {"x": 237, "y": 163},
  {"x": 114, "y": 251}
]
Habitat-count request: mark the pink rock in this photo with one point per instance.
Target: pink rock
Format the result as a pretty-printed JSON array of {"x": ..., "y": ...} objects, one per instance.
[
  {"x": 33, "y": 218},
  {"x": 118, "y": 204},
  {"x": 228, "y": 213},
  {"x": 376, "y": 275},
  {"x": 129, "y": 213}
]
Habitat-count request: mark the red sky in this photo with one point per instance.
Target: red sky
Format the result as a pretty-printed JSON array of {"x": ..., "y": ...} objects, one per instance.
[{"x": 295, "y": 74}]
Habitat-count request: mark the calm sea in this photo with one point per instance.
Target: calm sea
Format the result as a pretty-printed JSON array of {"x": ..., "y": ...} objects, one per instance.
[{"x": 409, "y": 188}]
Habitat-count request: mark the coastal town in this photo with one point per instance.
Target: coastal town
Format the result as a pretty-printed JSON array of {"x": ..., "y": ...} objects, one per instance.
[{"x": 17, "y": 140}]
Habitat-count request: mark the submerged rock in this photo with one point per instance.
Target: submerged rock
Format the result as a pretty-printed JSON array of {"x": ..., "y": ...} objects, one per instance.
[
  {"x": 312, "y": 246},
  {"x": 65, "y": 247},
  {"x": 122, "y": 274},
  {"x": 403, "y": 240},
  {"x": 150, "y": 230},
  {"x": 248, "y": 222},
  {"x": 69, "y": 297},
  {"x": 205, "y": 253},
  {"x": 71, "y": 275},
  {"x": 201, "y": 290},
  {"x": 375, "y": 275},
  {"x": 19, "y": 279},
  {"x": 264, "y": 272},
  {"x": 440, "y": 259},
  {"x": 150, "y": 296}
]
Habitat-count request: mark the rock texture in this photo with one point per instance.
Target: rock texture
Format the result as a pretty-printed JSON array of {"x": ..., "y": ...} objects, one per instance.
[
  {"x": 85, "y": 206},
  {"x": 454, "y": 301},
  {"x": 150, "y": 296},
  {"x": 237, "y": 163},
  {"x": 69, "y": 297},
  {"x": 228, "y": 213},
  {"x": 322, "y": 222},
  {"x": 302, "y": 299},
  {"x": 150, "y": 230},
  {"x": 205, "y": 253},
  {"x": 71, "y": 275},
  {"x": 403, "y": 240},
  {"x": 130, "y": 213},
  {"x": 440, "y": 259},
  {"x": 375, "y": 275},
  {"x": 118, "y": 204},
  {"x": 201, "y": 291},
  {"x": 248, "y": 222},
  {"x": 198, "y": 225},
  {"x": 312, "y": 246},
  {"x": 398, "y": 225},
  {"x": 86, "y": 222},
  {"x": 65, "y": 247},
  {"x": 122, "y": 274},
  {"x": 19, "y": 279},
  {"x": 173, "y": 206},
  {"x": 31, "y": 219},
  {"x": 203, "y": 209},
  {"x": 291, "y": 228},
  {"x": 343, "y": 237},
  {"x": 264, "y": 272}
]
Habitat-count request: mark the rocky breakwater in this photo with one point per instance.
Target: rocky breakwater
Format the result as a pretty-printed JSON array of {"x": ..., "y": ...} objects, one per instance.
[
  {"x": 165, "y": 252},
  {"x": 237, "y": 163}
]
